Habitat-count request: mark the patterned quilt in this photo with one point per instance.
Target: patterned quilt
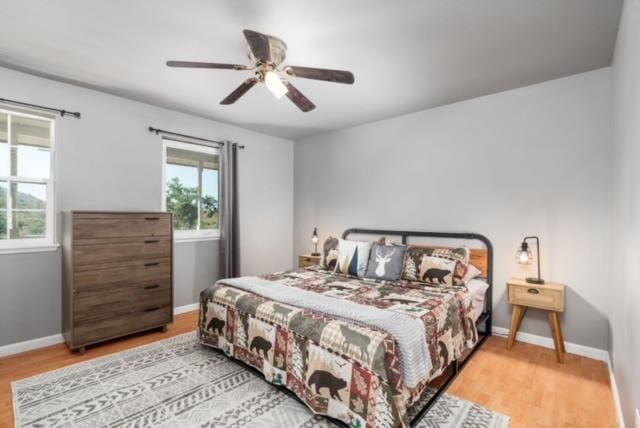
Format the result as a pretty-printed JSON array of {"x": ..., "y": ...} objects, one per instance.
[{"x": 338, "y": 367}]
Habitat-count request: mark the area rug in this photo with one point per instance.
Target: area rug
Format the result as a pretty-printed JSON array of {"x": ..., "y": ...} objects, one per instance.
[{"x": 179, "y": 383}]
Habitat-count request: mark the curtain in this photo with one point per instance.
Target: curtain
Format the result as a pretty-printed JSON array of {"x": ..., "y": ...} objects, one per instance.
[{"x": 229, "y": 227}]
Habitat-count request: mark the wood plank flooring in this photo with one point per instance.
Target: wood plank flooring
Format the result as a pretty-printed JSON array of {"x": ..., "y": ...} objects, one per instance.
[
  {"x": 528, "y": 384},
  {"x": 525, "y": 383}
]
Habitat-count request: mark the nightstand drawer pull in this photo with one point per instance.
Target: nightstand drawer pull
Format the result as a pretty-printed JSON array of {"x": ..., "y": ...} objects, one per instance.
[
  {"x": 533, "y": 291},
  {"x": 151, "y": 264},
  {"x": 151, "y": 287},
  {"x": 151, "y": 241}
]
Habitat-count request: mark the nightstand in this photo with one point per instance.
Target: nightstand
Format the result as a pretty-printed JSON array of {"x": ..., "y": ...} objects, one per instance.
[
  {"x": 308, "y": 260},
  {"x": 549, "y": 297}
]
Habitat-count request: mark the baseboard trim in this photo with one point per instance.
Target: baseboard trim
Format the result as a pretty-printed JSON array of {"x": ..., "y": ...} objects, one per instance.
[
  {"x": 616, "y": 396},
  {"x": 55, "y": 339},
  {"x": 29, "y": 345},
  {"x": 547, "y": 342},
  {"x": 186, "y": 308}
]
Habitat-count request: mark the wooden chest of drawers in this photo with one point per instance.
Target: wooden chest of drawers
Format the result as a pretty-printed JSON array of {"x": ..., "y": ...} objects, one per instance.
[{"x": 118, "y": 274}]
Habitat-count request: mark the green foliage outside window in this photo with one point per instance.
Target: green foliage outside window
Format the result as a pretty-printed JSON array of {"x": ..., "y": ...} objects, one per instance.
[
  {"x": 26, "y": 224},
  {"x": 182, "y": 201}
]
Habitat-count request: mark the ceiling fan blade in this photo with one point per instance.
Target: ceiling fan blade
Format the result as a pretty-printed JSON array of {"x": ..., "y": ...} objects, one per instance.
[
  {"x": 193, "y": 64},
  {"x": 240, "y": 91},
  {"x": 298, "y": 98},
  {"x": 337, "y": 76},
  {"x": 259, "y": 45}
]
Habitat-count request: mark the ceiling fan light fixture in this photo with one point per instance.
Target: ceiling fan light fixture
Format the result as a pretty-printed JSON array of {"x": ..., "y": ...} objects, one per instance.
[{"x": 274, "y": 84}]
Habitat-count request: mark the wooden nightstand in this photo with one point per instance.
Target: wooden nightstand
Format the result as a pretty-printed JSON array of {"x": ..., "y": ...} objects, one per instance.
[
  {"x": 308, "y": 260},
  {"x": 549, "y": 297}
]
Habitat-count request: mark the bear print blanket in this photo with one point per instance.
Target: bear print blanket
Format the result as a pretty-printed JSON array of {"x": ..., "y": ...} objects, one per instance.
[{"x": 335, "y": 353}]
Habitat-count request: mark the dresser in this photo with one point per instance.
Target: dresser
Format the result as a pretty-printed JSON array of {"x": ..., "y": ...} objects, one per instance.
[{"x": 117, "y": 274}]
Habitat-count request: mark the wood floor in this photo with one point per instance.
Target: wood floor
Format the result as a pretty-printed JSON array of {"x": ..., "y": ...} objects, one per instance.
[{"x": 525, "y": 383}]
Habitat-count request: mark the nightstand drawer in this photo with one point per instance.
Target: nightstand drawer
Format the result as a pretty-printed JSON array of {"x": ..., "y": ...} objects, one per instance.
[
  {"x": 536, "y": 297},
  {"x": 306, "y": 261}
]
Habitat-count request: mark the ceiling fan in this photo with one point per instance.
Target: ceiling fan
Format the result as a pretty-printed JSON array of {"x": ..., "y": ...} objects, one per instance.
[{"x": 267, "y": 54}]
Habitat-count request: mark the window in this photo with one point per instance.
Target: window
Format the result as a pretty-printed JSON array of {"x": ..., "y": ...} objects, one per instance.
[
  {"x": 191, "y": 189},
  {"x": 26, "y": 188}
]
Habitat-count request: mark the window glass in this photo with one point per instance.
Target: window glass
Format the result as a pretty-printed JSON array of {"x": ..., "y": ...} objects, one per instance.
[
  {"x": 29, "y": 196},
  {"x": 3, "y": 224},
  {"x": 3, "y": 195},
  {"x": 3, "y": 210},
  {"x": 191, "y": 186},
  {"x": 28, "y": 224},
  {"x": 30, "y": 146},
  {"x": 4, "y": 146},
  {"x": 209, "y": 219},
  {"x": 25, "y": 173}
]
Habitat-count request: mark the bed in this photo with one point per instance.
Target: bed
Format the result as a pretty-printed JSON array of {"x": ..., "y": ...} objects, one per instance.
[{"x": 361, "y": 352}]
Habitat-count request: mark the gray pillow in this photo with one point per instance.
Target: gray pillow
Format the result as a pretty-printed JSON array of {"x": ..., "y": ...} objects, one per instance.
[{"x": 385, "y": 262}]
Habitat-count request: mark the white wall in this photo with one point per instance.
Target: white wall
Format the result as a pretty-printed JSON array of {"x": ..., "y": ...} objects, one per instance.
[
  {"x": 531, "y": 161},
  {"x": 109, "y": 161},
  {"x": 625, "y": 278}
]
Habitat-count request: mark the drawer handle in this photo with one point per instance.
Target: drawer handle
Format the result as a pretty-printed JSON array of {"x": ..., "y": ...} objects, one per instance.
[
  {"x": 152, "y": 218},
  {"x": 151, "y": 287},
  {"x": 151, "y": 264},
  {"x": 533, "y": 291},
  {"x": 151, "y": 241},
  {"x": 155, "y": 308}
]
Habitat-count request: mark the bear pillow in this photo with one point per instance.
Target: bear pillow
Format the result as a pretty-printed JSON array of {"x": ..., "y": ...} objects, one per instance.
[{"x": 442, "y": 267}]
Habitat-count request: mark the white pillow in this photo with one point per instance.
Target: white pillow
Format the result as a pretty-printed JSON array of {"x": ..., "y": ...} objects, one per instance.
[
  {"x": 353, "y": 257},
  {"x": 477, "y": 290},
  {"x": 472, "y": 272}
]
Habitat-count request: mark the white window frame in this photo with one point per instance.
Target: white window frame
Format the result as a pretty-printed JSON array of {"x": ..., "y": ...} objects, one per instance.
[
  {"x": 48, "y": 243},
  {"x": 189, "y": 235}
]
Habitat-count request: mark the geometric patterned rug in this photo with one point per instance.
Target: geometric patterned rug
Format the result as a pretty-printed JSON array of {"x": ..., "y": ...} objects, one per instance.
[{"x": 176, "y": 382}]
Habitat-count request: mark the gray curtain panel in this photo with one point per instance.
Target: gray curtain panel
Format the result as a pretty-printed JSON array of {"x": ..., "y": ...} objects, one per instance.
[{"x": 229, "y": 217}]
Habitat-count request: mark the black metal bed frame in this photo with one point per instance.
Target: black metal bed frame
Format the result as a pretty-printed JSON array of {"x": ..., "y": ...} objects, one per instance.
[{"x": 485, "y": 317}]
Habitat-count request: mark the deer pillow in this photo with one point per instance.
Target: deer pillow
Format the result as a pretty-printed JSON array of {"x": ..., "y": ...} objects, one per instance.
[{"x": 385, "y": 262}]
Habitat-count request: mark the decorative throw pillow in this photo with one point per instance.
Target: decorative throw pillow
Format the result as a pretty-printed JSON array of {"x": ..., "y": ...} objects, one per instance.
[
  {"x": 329, "y": 253},
  {"x": 352, "y": 257},
  {"x": 472, "y": 272},
  {"x": 436, "y": 266},
  {"x": 385, "y": 262}
]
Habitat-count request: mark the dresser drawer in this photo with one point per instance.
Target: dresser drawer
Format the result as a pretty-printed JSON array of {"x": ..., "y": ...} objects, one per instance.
[
  {"x": 95, "y": 226},
  {"x": 108, "y": 275},
  {"x": 90, "y": 332},
  {"x": 106, "y": 250},
  {"x": 536, "y": 297},
  {"x": 98, "y": 302}
]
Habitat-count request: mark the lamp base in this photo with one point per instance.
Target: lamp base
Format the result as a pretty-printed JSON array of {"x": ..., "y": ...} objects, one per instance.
[
  {"x": 535, "y": 280},
  {"x": 315, "y": 254}
]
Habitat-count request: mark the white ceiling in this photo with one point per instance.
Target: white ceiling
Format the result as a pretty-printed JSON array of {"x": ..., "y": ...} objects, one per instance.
[{"x": 406, "y": 55}]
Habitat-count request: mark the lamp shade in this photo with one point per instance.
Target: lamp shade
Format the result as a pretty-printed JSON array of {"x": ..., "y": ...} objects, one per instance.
[
  {"x": 314, "y": 240},
  {"x": 524, "y": 256}
]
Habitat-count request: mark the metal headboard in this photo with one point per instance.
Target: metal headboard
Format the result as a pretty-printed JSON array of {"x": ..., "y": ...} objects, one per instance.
[{"x": 486, "y": 317}]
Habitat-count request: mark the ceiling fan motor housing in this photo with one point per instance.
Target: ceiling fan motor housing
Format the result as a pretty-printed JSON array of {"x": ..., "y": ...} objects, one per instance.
[{"x": 277, "y": 52}]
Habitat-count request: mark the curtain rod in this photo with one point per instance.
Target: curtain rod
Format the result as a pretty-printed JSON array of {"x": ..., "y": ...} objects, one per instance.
[
  {"x": 62, "y": 113},
  {"x": 175, "y": 134}
]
